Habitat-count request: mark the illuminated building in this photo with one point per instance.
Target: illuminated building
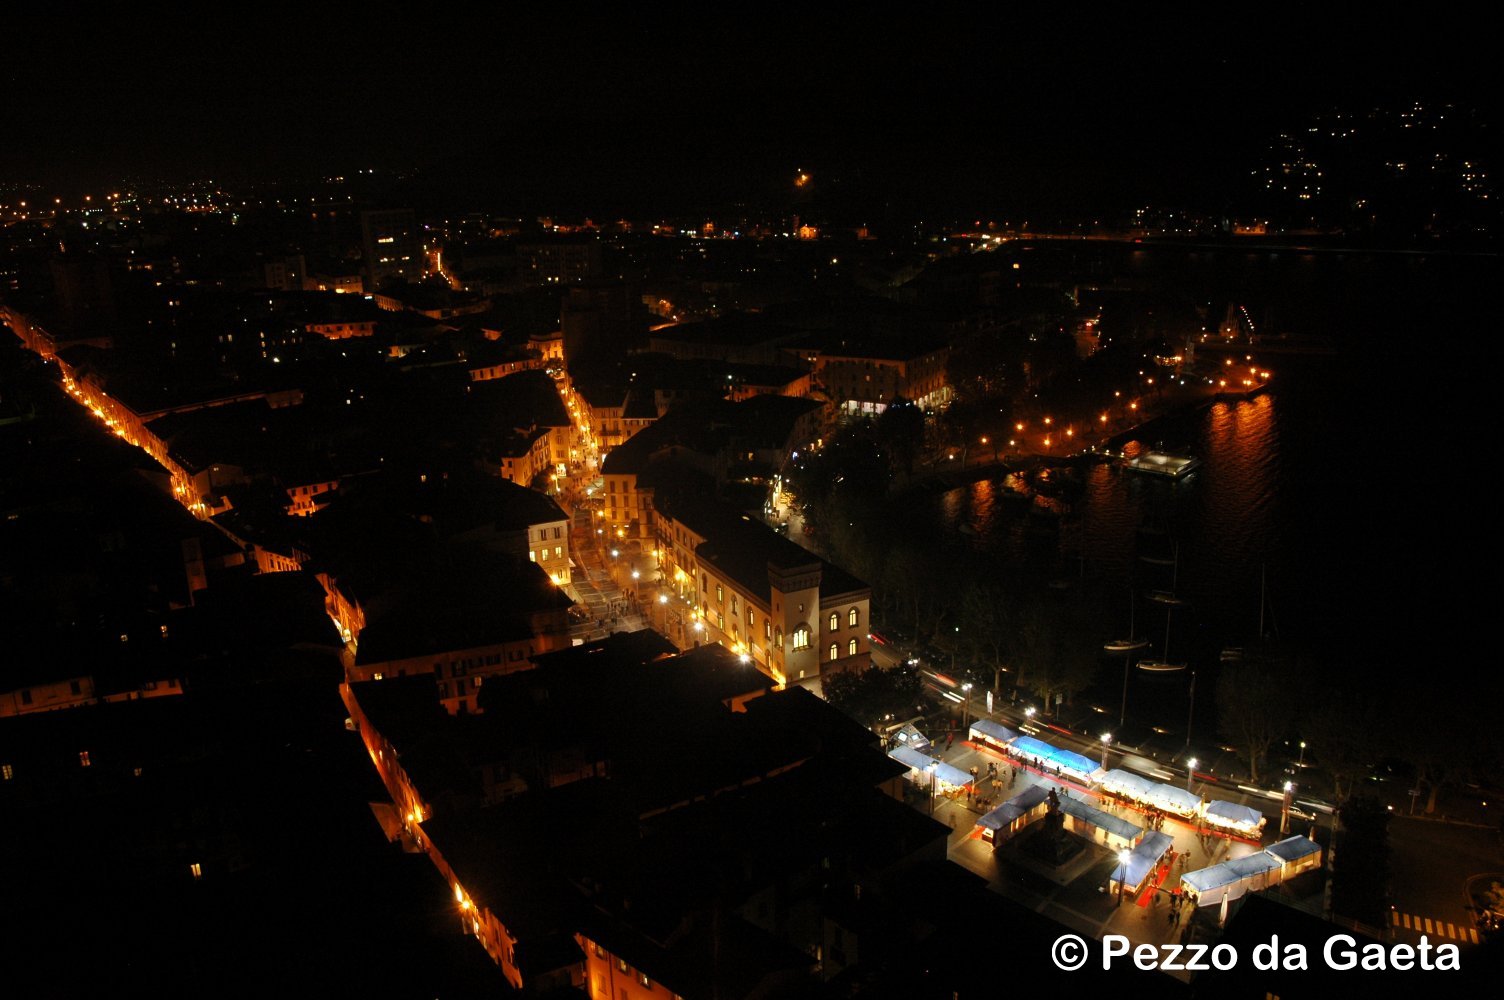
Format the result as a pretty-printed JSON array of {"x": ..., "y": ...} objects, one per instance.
[{"x": 393, "y": 247}]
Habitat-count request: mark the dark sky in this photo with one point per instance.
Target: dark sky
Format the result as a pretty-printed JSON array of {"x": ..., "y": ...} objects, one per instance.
[{"x": 971, "y": 98}]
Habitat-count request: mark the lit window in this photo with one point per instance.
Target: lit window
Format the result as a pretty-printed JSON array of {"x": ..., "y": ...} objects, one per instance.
[
  {"x": 720, "y": 594},
  {"x": 852, "y": 618},
  {"x": 801, "y": 637},
  {"x": 558, "y": 552},
  {"x": 835, "y": 651},
  {"x": 720, "y": 622},
  {"x": 532, "y": 555},
  {"x": 642, "y": 977},
  {"x": 377, "y": 675},
  {"x": 7, "y": 772},
  {"x": 851, "y": 648},
  {"x": 621, "y": 965},
  {"x": 83, "y": 759},
  {"x": 197, "y": 870},
  {"x": 835, "y": 622}
]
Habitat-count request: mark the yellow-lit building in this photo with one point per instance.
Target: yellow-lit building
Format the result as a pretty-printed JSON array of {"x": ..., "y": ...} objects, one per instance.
[{"x": 737, "y": 582}]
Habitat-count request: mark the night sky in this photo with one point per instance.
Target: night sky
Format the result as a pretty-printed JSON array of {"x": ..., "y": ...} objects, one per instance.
[{"x": 974, "y": 105}]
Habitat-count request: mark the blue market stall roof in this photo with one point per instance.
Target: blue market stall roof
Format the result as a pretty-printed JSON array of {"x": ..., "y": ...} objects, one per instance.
[
  {"x": 1142, "y": 859},
  {"x": 1175, "y": 797},
  {"x": 1293, "y": 849},
  {"x": 1028, "y": 746},
  {"x": 1230, "y": 872},
  {"x": 1114, "y": 825},
  {"x": 1015, "y": 807},
  {"x": 948, "y": 774},
  {"x": 994, "y": 731},
  {"x": 1233, "y": 814},
  {"x": 1127, "y": 783}
]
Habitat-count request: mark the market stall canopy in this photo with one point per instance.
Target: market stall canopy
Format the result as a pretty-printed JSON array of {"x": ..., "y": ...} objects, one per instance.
[
  {"x": 1231, "y": 814},
  {"x": 1009, "y": 812}
]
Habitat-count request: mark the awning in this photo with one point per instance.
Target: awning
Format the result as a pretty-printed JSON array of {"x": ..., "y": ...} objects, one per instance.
[
  {"x": 917, "y": 761},
  {"x": 1293, "y": 849},
  {"x": 1229, "y": 873},
  {"x": 1007, "y": 813},
  {"x": 1154, "y": 845},
  {"x": 1173, "y": 799},
  {"x": 1051, "y": 757},
  {"x": 1128, "y": 784},
  {"x": 1105, "y": 821},
  {"x": 993, "y": 732},
  {"x": 1141, "y": 860},
  {"x": 1231, "y": 814}
]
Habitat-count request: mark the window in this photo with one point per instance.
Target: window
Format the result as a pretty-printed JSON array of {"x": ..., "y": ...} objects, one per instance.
[
  {"x": 74, "y": 688},
  {"x": 7, "y": 772},
  {"x": 558, "y": 552},
  {"x": 621, "y": 965},
  {"x": 751, "y": 619},
  {"x": 599, "y": 951},
  {"x": 852, "y": 618},
  {"x": 720, "y": 594},
  {"x": 851, "y": 648},
  {"x": 642, "y": 977},
  {"x": 720, "y": 622},
  {"x": 196, "y": 869},
  {"x": 733, "y": 605},
  {"x": 532, "y": 555},
  {"x": 767, "y": 631},
  {"x": 377, "y": 675},
  {"x": 801, "y": 638},
  {"x": 835, "y": 651},
  {"x": 835, "y": 622},
  {"x": 556, "y": 533},
  {"x": 83, "y": 759},
  {"x": 26, "y": 696}
]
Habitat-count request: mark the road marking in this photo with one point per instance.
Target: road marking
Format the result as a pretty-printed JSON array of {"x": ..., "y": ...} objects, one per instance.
[{"x": 1438, "y": 928}]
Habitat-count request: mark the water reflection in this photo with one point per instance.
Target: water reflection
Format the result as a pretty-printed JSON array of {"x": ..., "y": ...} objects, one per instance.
[{"x": 1223, "y": 517}]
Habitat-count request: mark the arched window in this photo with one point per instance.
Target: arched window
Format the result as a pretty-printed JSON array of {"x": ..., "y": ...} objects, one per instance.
[
  {"x": 852, "y": 618},
  {"x": 835, "y": 651},
  {"x": 835, "y": 621},
  {"x": 851, "y": 648},
  {"x": 801, "y": 638}
]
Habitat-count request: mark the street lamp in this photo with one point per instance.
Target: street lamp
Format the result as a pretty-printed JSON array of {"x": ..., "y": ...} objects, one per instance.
[
  {"x": 1302, "y": 761},
  {"x": 1122, "y": 874},
  {"x": 932, "y": 767},
  {"x": 1106, "y": 742},
  {"x": 966, "y": 709},
  {"x": 1190, "y": 772},
  {"x": 1284, "y": 809}
]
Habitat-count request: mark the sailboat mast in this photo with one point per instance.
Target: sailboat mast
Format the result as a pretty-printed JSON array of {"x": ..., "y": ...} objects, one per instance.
[{"x": 1262, "y": 568}]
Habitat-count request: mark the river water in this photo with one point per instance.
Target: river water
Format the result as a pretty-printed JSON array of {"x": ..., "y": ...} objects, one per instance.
[{"x": 1355, "y": 497}]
